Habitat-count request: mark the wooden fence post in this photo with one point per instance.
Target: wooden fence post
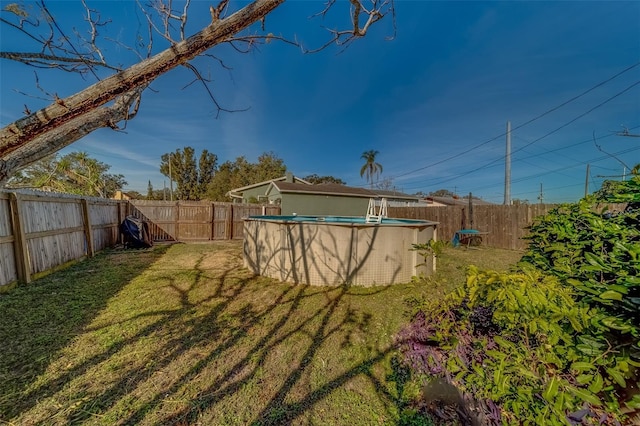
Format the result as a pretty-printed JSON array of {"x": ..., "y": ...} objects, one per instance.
[
  {"x": 120, "y": 205},
  {"x": 213, "y": 221},
  {"x": 21, "y": 250},
  {"x": 229, "y": 225},
  {"x": 177, "y": 237},
  {"x": 88, "y": 231}
]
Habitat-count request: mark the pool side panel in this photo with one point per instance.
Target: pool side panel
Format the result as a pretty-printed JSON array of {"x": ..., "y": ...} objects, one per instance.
[
  {"x": 317, "y": 255},
  {"x": 333, "y": 254},
  {"x": 385, "y": 256}
]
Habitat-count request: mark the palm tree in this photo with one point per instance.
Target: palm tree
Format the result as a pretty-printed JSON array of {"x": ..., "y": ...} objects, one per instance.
[{"x": 370, "y": 169}]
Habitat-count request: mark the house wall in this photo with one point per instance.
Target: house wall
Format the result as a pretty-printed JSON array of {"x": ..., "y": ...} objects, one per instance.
[
  {"x": 318, "y": 205},
  {"x": 254, "y": 192}
]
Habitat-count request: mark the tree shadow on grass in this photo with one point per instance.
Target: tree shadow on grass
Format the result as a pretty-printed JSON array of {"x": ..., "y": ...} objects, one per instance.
[
  {"x": 39, "y": 319},
  {"x": 209, "y": 343}
]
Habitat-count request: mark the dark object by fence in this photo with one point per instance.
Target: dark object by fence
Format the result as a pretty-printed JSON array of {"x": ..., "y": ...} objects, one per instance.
[
  {"x": 468, "y": 237},
  {"x": 135, "y": 233}
]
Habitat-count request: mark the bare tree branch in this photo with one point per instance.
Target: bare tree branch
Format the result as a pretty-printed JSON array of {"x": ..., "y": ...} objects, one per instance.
[
  {"x": 69, "y": 132},
  {"x": 20, "y": 27},
  {"x": 94, "y": 24},
  {"x": 209, "y": 92},
  {"x": 42, "y": 60},
  {"x": 378, "y": 10},
  {"x": 66, "y": 120},
  {"x": 27, "y": 129},
  {"x": 57, "y": 49},
  {"x": 54, "y": 23},
  {"x": 50, "y": 97}
]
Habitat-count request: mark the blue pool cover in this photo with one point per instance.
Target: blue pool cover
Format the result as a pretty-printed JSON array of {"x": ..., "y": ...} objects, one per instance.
[{"x": 339, "y": 219}]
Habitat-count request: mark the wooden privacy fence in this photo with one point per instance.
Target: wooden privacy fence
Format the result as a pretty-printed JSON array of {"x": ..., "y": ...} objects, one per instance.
[
  {"x": 196, "y": 220},
  {"x": 39, "y": 232},
  {"x": 505, "y": 225}
]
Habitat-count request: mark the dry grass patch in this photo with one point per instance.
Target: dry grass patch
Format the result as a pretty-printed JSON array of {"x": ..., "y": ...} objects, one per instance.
[{"x": 183, "y": 334}]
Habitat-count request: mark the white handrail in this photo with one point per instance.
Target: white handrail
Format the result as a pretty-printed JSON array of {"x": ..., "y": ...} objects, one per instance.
[{"x": 374, "y": 216}]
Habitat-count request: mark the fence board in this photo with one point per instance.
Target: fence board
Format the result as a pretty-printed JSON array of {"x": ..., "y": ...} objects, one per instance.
[
  {"x": 8, "y": 271},
  {"x": 196, "y": 220},
  {"x": 41, "y": 231},
  {"x": 49, "y": 252},
  {"x": 105, "y": 220},
  {"x": 5, "y": 215},
  {"x": 54, "y": 231},
  {"x": 20, "y": 241},
  {"x": 219, "y": 226},
  {"x": 241, "y": 212},
  {"x": 505, "y": 225},
  {"x": 160, "y": 215}
]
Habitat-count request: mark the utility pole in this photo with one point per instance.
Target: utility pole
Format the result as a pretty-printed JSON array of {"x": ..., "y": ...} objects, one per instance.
[
  {"x": 471, "y": 210},
  {"x": 170, "y": 179},
  {"x": 507, "y": 168},
  {"x": 586, "y": 182},
  {"x": 540, "y": 197},
  {"x": 625, "y": 132}
]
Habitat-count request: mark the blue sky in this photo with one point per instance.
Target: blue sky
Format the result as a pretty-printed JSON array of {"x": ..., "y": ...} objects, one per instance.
[{"x": 434, "y": 101}]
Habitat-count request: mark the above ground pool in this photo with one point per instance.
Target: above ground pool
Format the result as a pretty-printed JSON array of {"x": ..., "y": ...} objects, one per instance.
[{"x": 336, "y": 250}]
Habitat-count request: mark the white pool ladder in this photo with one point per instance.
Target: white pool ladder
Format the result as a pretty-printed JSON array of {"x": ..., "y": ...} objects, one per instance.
[{"x": 374, "y": 216}]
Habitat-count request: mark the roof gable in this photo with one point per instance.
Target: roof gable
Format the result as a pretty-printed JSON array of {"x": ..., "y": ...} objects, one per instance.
[
  {"x": 321, "y": 189},
  {"x": 237, "y": 192}
]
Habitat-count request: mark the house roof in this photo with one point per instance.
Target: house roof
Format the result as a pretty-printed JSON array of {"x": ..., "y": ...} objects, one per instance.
[
  {"x": 301, "y": 186},
  {"x": 460, "y": 201},
  {"x": 237, "y": 192},
  {"x": 395, "y": 195},
  {"x": 321, "y": 189}
]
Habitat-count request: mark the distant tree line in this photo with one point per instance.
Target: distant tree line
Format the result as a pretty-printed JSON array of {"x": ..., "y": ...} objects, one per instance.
[
  {"x": 205, "y": 179},
  {"x": 195, "y": 177}
]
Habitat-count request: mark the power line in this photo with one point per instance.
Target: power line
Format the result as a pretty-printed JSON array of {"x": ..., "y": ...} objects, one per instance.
[
  {"x": 590, "y": 140},
  {"x": 581, "y": 115},
  {"x": 537, "y": 191},
  {"x": 538, "y": 175},
  {"x": 523, "y": 124},
  {"x": 548, "y": 134},
  {"x": 422, "y": 183}
]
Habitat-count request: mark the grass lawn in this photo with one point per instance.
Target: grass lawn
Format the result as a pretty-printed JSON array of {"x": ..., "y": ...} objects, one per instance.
[{"x": 183, "y": 334}]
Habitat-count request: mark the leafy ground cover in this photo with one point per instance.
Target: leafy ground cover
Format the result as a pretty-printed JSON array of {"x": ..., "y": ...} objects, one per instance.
[
  {"x": 183, "y": 334},
  {"x": 556, "y": 339}
]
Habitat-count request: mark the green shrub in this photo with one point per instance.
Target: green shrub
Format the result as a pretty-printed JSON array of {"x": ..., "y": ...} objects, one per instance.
[
  {"x": 556, "y": 340},
  {"x": 595, "y": 251},
  {"x": 519, "y": 342}
]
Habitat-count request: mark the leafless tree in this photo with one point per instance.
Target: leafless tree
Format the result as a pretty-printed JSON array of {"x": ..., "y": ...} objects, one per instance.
[{"x": 115, "y": 97}]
